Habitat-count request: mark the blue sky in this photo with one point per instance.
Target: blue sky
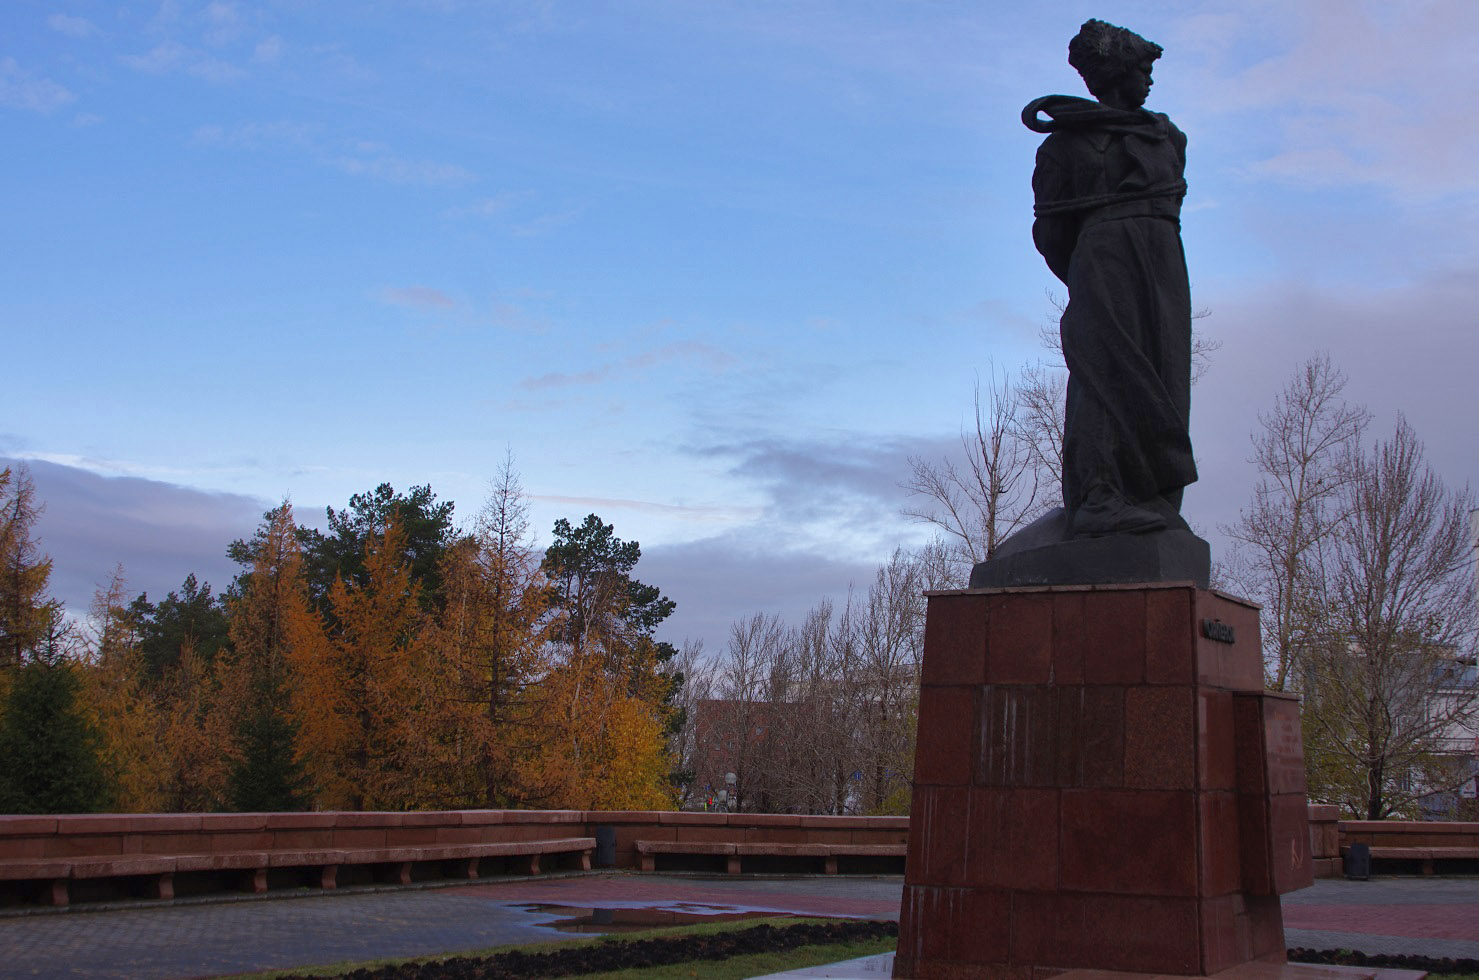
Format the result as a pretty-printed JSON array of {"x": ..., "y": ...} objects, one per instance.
[{"x": 713, "y": 270}]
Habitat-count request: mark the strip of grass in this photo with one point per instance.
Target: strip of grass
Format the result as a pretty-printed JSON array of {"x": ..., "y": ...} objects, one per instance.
[{"x": 698, "y": 929}]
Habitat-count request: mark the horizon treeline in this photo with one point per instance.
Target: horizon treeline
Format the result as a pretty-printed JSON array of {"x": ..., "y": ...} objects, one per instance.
[{"x": 394, "y": 662}]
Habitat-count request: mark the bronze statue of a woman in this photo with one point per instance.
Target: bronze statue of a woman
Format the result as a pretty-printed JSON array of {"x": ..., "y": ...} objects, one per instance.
[{"x": 1108, "y": 185}]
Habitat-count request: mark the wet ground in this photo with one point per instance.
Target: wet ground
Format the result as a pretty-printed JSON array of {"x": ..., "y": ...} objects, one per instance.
[{"x": 1431, "y": 916}]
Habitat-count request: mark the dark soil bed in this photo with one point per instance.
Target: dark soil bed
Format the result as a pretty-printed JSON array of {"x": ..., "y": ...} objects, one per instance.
[
  {"x": 639, "y": 953},
  {"x": 631, "y": 954},
  {"x": 1398, "y": 961}
]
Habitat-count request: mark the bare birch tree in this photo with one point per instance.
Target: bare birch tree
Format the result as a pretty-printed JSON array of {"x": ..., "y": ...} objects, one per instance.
[
  {"x": 739, "y": 718},
  {"x": 696, "y": 687},
  {"x": 1380, "y": 703},
  {"x": 995, "y": 489},
  {"x": 1302, "y": 450},
  {"x": 892, "y": 644}
]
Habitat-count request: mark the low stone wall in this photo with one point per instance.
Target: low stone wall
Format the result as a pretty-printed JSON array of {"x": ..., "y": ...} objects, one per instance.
[
  {"x": 1396, "y": 845},
  {"x": 88, "y": 835},
  {"x": 1325, "y": 840},
  {"x": 108, "y": 856},
  {"x": 741, "y": 828}
]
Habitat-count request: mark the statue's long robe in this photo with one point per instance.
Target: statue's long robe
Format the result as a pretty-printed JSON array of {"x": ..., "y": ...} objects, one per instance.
[{"x": 1108, "y": 186}]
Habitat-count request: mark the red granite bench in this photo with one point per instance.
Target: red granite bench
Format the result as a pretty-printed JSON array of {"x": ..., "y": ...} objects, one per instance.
[
  {"x": 1424, "y": 842},
  {"x": 161, "y": 868},
  {"x": 734, "y": 853},
  {"x": 87, "y": 857},
  {"x": 1424, "y": 855},
  {"x": 254, "y": 865}
]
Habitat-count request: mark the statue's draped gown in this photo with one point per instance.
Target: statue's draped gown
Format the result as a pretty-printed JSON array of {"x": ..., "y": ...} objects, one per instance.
[{"x": 1108, "y": 187}]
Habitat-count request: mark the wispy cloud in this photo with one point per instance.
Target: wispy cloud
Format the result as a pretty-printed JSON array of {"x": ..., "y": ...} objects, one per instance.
[
  {"x": 1344, "y": 97},
  {"x": 836, "y": 492},
  {"x": 257, "y": 136},
  {"x": 545, "y": 223},
  {"x": 223, "y": 22},
  {"x": 707, "y": 355},
  {"x": 682, "y": 511},
  {"x": 268, "y": 50},
  {"x": 382, "y": 165},
  {"x": 417, "y": 297},
  {"x": 486, "y": 207},
  {"x": 517, "y": 212},
  {"x": 171, "y": 56},
  {"x": 19, "y": 89},
  {"x": 71, "y": 26},
  {"x": 359, "y": 158}
]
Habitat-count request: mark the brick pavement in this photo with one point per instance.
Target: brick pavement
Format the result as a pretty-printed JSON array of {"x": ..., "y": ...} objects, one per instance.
[
  {"x": 1425, "y": 916},
  {"x": 1437, "y": 917},
  {"x": 208, "y": 939}
]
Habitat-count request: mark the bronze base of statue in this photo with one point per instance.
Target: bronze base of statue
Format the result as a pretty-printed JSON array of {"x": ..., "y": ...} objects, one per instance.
[{"x": 1047, "y": 552}]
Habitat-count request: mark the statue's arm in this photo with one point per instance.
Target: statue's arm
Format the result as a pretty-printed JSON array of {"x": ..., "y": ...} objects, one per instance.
[
  {"x": 1178, "y": 140},
  {"x": 1054, "y": 235}
]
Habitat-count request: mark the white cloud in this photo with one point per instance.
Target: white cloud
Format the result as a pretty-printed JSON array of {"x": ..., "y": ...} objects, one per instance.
[
  {"x": 71, "y": 26},
  {"x": 19, "y": 89}
]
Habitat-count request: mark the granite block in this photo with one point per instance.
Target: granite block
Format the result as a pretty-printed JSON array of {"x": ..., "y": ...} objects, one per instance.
[
  {"x": 1019, "y": 642},
  {"x": 1128, "y": 842},
  {"x": 955, "y": 640},
  {"x": 1091, "y": 737},
  {"x": 944, "y": 745},
  {"x": 1160, "y": 738},
  {"x": 1116, "y": 651}
]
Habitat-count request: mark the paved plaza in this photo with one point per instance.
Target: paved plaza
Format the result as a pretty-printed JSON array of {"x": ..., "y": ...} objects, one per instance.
[{"x": 1431, "y": 916}]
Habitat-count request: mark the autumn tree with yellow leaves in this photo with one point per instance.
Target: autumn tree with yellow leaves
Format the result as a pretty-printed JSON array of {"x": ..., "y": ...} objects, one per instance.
[
  {"x": 355, "y": 695},
  {"x": 26, "y": 611},
  {"x": 608, "y": 696},
  {"x": 490, "y": 646}
]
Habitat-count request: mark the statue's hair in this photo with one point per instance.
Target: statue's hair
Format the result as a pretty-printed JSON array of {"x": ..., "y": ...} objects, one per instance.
[{"x": 1102, "y": 53}]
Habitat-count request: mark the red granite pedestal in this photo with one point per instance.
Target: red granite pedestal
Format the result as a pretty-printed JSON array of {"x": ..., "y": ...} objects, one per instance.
[{"x": 1101, "y": 782}]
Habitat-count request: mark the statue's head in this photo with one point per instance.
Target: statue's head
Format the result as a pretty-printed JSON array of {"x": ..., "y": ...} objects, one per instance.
[{"x": 1115, "y": 63}]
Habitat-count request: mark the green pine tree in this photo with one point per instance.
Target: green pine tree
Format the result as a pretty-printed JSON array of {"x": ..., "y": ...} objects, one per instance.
[
  {"x": 268, "y": 776},
  {"x": 48, "y": 749}
]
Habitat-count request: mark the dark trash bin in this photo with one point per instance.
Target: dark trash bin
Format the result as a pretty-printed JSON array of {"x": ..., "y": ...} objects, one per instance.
[
  {"x": 1358, "y": 862},
  {"x": 606, "y": 846}
]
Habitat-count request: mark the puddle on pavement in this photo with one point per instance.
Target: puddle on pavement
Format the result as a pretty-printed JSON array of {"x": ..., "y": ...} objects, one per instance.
[{"x": 574, "y": 918}]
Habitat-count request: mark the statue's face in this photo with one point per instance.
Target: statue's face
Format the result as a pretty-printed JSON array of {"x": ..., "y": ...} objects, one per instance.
[{"x": 1134, "y": 85}]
